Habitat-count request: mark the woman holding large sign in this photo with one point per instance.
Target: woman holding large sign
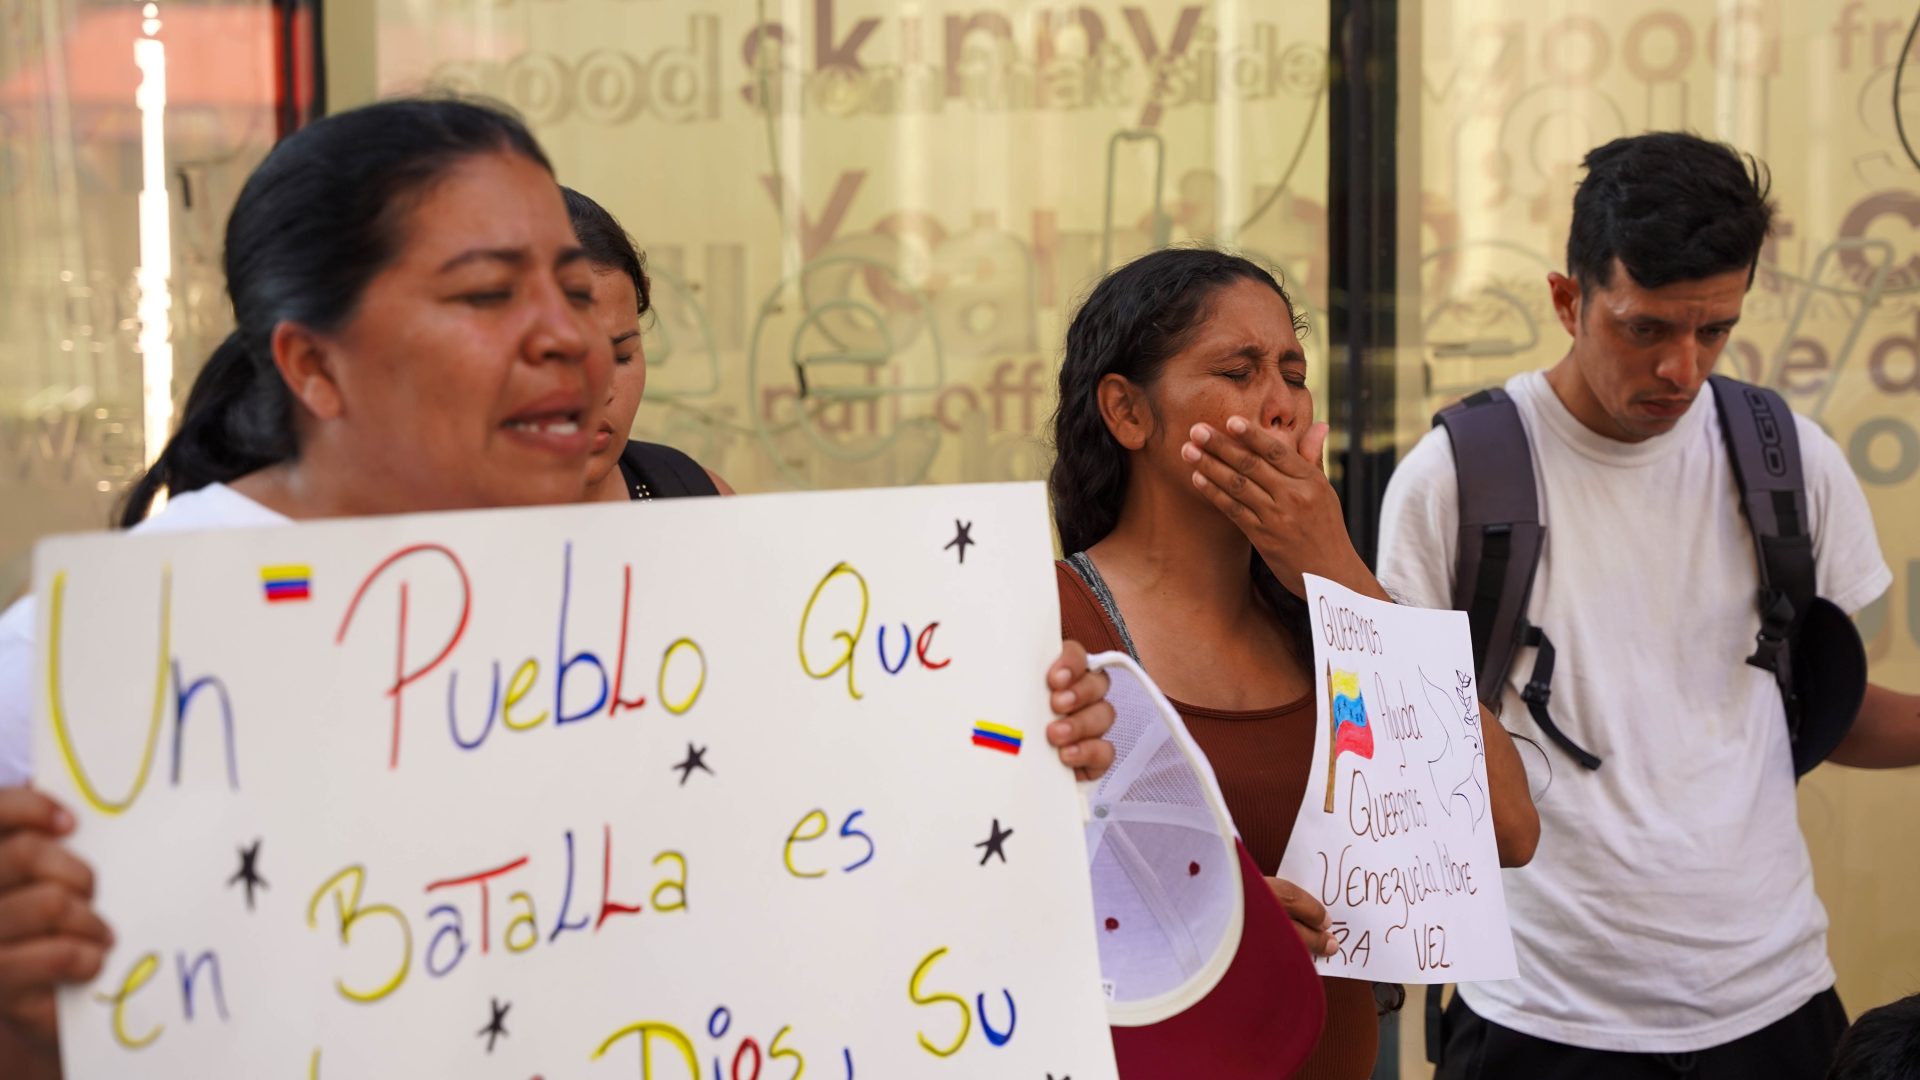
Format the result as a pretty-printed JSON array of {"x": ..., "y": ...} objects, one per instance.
[
  {"x": 1189, "y": 495},
  {"x": 414, "y": 333}
]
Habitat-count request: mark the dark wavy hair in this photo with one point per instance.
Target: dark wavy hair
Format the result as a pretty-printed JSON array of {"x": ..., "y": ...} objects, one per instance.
[
  {"x": 1672, "y": 207},
  {"x": 1884, "y": 1044},
  {"x": 319, "y": 218},
  {"x": 608, "y": 244},
  {"x": 1132, "y": 323}
]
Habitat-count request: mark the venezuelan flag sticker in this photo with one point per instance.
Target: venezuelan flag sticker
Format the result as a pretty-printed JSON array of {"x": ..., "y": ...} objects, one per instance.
[{"x": 284, "y": 583}]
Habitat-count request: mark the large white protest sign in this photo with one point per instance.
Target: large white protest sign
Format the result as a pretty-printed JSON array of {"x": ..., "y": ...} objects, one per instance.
[
  {"x": 1395, "y": 834},
  {"x": 727, "y": 788}
]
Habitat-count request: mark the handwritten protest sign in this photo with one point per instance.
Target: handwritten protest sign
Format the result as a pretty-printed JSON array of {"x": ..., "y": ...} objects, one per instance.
[
  {"x": 1395, "y": 834},
  {"x": 710, "y": 788}
]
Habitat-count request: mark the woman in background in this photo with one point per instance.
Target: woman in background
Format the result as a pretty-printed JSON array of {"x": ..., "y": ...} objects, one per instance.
[{"x": 623, "y": 468}]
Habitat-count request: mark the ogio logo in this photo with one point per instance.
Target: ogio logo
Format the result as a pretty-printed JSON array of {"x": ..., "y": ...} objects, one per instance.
[{"x": 1767, "y": 426}]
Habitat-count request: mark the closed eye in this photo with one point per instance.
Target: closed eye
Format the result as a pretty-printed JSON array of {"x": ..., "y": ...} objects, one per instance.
[{"x": 487, "y": 297}]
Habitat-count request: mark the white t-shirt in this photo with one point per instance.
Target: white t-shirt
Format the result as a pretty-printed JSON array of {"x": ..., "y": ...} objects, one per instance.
[
  {"x": 1670, "y": 906},
  {"x": 216, "y": 506}
]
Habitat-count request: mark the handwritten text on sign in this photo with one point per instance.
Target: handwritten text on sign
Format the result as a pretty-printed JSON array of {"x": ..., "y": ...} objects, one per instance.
[
  {"x": 1395, "y": 834},
  {"x": 728, "y": 788}
]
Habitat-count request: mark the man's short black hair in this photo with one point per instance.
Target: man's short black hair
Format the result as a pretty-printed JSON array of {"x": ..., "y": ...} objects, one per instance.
[
  {"x": 1672, "y": 207},
  {"x": 1884, "y": 1044}
]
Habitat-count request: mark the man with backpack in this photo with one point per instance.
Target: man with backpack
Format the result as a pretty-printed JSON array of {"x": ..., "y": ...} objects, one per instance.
[{"x": 1658, "y": 570}]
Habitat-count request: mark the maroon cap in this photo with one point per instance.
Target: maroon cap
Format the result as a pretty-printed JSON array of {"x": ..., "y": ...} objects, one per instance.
[{"x": 1261, "y": 1020}]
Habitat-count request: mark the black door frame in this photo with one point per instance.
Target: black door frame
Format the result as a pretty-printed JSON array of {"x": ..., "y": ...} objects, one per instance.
[{"x": 1362, "y": 236}]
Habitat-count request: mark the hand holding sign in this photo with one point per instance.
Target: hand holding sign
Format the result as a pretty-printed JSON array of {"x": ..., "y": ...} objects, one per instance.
[
  {"x": 1309, "y": 917},
  {"x": 1275, "y": 490},
  {"x": 49, "y": 932}
]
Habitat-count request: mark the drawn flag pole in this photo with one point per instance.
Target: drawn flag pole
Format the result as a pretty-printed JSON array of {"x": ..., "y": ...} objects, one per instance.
[{"x": 1333, "y": 737}]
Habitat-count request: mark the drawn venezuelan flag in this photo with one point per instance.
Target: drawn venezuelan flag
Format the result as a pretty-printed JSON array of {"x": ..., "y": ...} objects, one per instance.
[
  {"x": 289, "y": 581},
  {"x": 1346, "y": 723},
  {"x": 999, "y": 737}
]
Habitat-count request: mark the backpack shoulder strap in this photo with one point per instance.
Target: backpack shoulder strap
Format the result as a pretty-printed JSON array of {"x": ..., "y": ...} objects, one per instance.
[
  {"x": 1500, "y": 532},
  {"x": 1764, "y": 445},
  {"x": 1499, "y": 544}
]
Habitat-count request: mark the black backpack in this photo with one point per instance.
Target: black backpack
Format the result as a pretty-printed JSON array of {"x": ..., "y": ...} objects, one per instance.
[{"x": 1810, "y": 646}]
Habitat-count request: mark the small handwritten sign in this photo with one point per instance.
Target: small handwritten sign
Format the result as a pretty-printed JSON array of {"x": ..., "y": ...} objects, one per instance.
[
  {"x": 1395, "y": 834},
  {"x": 717, "y": 787}
]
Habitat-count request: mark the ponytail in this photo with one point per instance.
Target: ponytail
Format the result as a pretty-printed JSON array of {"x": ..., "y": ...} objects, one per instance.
[
  {"x": 310, "y": 229},
  {"x": 236, "y": 421}
]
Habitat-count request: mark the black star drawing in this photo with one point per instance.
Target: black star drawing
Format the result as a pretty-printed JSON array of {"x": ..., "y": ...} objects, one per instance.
[
  {"x": 995, "y": 843},
  {"x": 963, "y": 535},
  {"x": 696, "y": 759},
  {"x": 249, "y": 872},
  {"x": 497, "y": 1027}
]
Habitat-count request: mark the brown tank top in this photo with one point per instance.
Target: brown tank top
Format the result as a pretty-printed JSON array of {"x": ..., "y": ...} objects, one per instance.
[{"x": 1262, "y": 758}]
